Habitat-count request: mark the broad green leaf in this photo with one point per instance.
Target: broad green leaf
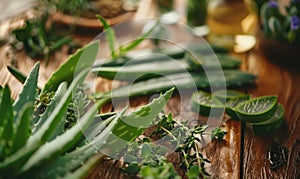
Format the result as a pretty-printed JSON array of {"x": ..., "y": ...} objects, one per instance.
[
  {"x": 110, "y": 37},
  {"x": 6, "y": 122},
  {"x": 24, "y": 128},
  {"x": 28, "y": 93},
  {"x": 83, "y": 58}
]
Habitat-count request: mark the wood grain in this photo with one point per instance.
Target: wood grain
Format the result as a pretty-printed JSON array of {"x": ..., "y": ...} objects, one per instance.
[{"x": 273, "y": 79}]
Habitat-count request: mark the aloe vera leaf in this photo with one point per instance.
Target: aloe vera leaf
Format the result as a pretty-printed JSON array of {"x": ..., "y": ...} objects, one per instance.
[
  {"x": 67, "y": 71},
  {"x": 182, "y": 81},
  {"x": 28, "y": 92},
  {"x": 24, "y": 128},
  {"x": 20, "y": 76},
  {"x": 225, "y": 94},
  {"x": 125, "y": 129},
  {"x": 60, "y": 92},
  {"x": 86, "y": 168},
  {"x": 143, "y": 70},
  {"x": 135, "y": 43},
  {"x": 6, "y": 122},
  {"x": 272, "y": 124},
  {"x": 226, "y": 61},
  {"x": 207, "y": 105},
  {"x": 110, "y": 37},
  {"x": 61, "y": 166},
  {"x": 178, "y": 51},
  {"x": 144, "y": 56},
  {"x": 257, "y": 109},
  {"x": 65, "y": 141},
  {"x": 18, "y": 159},
  {"x": 233, "y": 102}
]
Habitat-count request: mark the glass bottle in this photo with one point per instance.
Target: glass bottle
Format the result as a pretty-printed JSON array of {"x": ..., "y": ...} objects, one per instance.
[{"x": 224, "y": 19}]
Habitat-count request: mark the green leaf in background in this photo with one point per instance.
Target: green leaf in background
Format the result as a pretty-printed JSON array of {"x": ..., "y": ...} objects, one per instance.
[
  {"x": 20, "y": 76},
  {"x": 83, "y": 58},
  {"x": 110, "y": 36},
  {"x": 125, "y": 48}
]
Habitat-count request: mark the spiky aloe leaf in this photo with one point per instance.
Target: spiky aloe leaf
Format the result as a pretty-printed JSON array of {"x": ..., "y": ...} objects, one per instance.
[
  {"x": 83, "y": 58},
  {"x": 64, "y": 142},
  {"x": 15, "y": 161},
  {"x": 51, "y": 107},
  {"x": 125, "y": 129},
  {"x": 6, "y": 123},
  {"x": 28, "y": 92},
  {"x": 24, "y": 127},
  {"x": 63, "y": 166}
]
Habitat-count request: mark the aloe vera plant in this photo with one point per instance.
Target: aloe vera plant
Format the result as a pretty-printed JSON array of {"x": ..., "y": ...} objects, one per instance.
[{"x": 40, "y": 146}]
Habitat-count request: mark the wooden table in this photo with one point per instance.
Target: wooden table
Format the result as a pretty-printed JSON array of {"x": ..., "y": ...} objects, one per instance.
[{"x": 243, "y": 154}]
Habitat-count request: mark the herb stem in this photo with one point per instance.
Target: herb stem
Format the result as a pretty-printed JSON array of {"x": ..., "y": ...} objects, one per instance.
[{"x": 168, "y": 132}]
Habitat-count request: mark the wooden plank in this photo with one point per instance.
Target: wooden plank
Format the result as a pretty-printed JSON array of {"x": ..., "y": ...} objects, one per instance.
[{"x": 274, "y": 80}]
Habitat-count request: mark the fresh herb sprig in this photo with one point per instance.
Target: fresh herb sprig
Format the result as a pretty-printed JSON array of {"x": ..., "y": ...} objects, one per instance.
[{"x": 146, "y": 159}]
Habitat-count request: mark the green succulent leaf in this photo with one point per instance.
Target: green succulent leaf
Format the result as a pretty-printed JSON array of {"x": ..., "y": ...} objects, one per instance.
[
  {"x": 125, "y": 129},
  {"x": 51, "y": 107},
  {"x": 6, "y": 123},
  {"x": 65, "y": 141},
  {"x": 18, "y": 159},
  {"x": 83, "y": 58},
  {"x": 24, "y": 127},
  {"x": 28, "y": 93}
]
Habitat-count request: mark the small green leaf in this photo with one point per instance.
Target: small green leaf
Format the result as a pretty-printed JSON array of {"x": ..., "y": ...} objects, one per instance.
[
  {"x": 146, "y": 150},
  {"x": 28, "y": 93},
  {"x": 217, "y": 133},
  {"x": 20, "y": 76},
  {"x": 110, "y": 37},
  {"x": 132, "y": 169},
  {"x": 193, "y": 172},
  {"x": 133, "y": 44},
  {"x": 83, "y": 58}
]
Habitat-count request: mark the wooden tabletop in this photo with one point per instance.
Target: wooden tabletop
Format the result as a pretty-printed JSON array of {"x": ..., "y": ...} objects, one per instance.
[{"x": 242, "y": 154}]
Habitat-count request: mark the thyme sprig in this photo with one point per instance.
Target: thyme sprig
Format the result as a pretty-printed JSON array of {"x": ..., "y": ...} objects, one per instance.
[{"x": 146, "y": 159}]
